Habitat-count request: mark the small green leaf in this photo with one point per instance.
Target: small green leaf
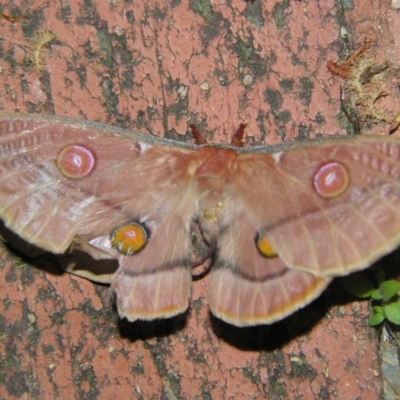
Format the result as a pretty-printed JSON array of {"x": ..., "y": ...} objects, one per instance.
[
  {"x": 389, "y": 289},
  {"x": 358, "y": 285},
  {"x": 376, "y": 295},
  {"x": 379, "y": 309},
  {"x": 376, "y": 319},
  {"x": 392, "y": 312}
]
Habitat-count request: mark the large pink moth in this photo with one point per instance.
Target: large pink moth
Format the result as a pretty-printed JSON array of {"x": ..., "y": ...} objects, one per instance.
[{"x": 284, "y": 220}]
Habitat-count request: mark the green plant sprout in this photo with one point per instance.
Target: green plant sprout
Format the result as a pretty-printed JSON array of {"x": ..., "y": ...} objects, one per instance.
[{"x": 385, "y": 299}]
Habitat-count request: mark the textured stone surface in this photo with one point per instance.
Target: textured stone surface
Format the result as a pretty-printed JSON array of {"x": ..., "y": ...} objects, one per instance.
[{"x": 150, "y": 66}]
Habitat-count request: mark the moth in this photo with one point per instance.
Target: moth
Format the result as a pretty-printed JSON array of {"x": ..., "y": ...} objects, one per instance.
[{"x": 283, "y": 220}]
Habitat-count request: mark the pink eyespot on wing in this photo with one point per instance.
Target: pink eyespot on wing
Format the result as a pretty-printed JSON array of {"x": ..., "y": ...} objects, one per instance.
[
  {"x": 75, "y": 161},
  {"x": 331, "y": 180}
]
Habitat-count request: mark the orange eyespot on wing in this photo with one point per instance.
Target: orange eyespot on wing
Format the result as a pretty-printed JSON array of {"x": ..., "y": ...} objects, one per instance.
[
  {"x": 265, "y": 247},
  {"x": 331, "y": 180},
  {"x": 75, "y": 161},
  {"x": 130, "y": 239}
]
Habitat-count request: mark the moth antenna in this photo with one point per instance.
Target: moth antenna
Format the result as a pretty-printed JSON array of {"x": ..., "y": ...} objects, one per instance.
[
  {"x": 237, "y": 138},
  {"x": 197, "y": 136}
]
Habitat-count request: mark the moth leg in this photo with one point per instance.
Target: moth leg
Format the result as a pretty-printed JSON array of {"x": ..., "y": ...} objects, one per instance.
[{"x": 209, "y": 255}]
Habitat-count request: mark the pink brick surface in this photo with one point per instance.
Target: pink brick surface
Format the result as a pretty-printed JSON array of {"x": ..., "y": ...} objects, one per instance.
[{"x": 150, "y": 66}]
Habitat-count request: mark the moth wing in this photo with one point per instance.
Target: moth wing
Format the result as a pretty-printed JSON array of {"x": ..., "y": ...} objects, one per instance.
[
  {"x": 129, "y": 179},
  {"x": 155, "y": 283},
  {"x": 328, "y": 208},
  {"x": 247, "y": 288}
]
